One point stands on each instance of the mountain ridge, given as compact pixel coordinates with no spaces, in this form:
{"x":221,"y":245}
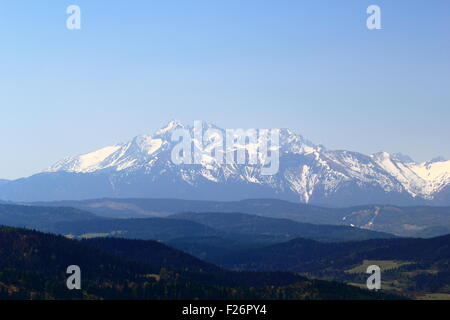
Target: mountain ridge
{"x":80,"y":223}
{"x":308,"y":173}
{"x":411,"y":221}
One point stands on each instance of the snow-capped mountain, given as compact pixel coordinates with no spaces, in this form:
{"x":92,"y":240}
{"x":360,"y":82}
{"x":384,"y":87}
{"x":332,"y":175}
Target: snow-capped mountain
{"x":307,"y":173}
{"x":419,"y":179}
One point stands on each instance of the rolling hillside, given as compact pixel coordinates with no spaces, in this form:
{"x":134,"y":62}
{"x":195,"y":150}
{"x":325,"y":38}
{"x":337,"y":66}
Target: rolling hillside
{"x":33,"y":266}
{"x":236,"y":226}
{"x":417,"y":221}
{"x":416,"y":267}
{"x":281,"y":228}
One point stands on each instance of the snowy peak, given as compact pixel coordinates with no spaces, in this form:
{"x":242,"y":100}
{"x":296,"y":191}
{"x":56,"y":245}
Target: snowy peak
{"x":136,"y":152}
{"x":435,"y":174}
{"x":170,"y":127}
{"x":310,"y":172}
{"x":147,"y":144}
{"x":402,"y":172}
{"x":294,"y":143}
{"x":419,"y":179}
{"x":142,"y":151}
{"x":88,"y":162}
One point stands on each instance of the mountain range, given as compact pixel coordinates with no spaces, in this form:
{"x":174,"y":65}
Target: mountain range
{"x":308,"y":173}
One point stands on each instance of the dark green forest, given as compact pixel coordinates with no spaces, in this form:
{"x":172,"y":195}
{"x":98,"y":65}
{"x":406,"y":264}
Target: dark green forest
{"x":33,"y":266}
{"x":210,"y":255}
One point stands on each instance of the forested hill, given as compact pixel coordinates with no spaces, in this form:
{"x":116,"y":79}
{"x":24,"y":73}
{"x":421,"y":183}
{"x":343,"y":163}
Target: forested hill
{"x":33,"y":266}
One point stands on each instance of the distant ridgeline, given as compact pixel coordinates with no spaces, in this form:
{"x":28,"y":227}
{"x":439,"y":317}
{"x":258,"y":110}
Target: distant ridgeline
{"x":418,"y":221}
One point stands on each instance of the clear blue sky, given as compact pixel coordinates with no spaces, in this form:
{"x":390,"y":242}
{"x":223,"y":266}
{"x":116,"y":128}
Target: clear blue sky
{"x":311,"y":66}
